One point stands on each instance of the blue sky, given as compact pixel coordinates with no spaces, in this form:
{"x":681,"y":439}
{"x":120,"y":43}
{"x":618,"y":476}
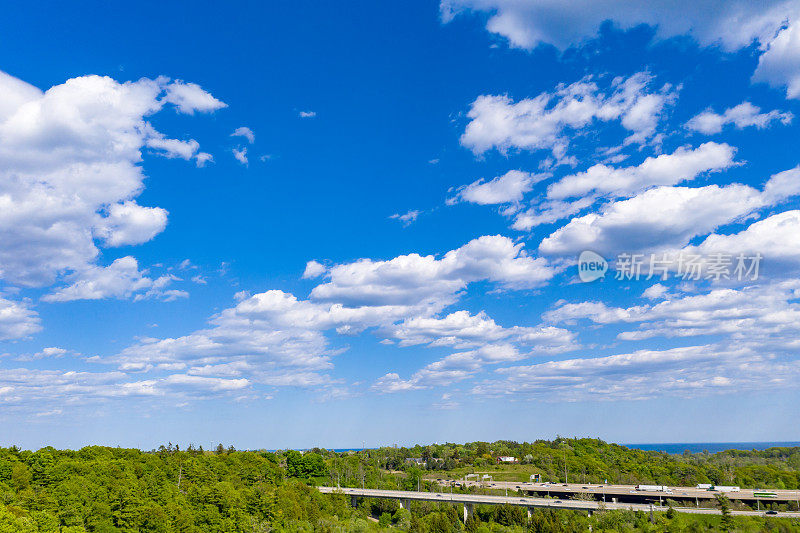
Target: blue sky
{"x":298,"y":225}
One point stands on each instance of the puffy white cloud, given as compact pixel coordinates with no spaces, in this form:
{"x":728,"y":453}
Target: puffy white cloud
{"x":129,"y":223}
{"x":273,"y":334}
{"x":667,"y":217}
{"x":763,"y":315}
{"x":307,"y":114}
{"x":667,"y":169}
{"x":120,"y":279}
{"x":508,"y":188}
{"x":733,"y":24}
{"x":686,"y":372}
{"x":245,"y":132}
{"x":462,"y":330}
{"x":70,"y":173}
{"x":775,"y":235}
{"x":427,"y":281}
{"x":190,"y":97}
{"x":546,"y":121}
{"x":453,"y":368}
{"x":23,"y":389}
{"x":314,"y":269}
{"x":17,"y":320}
{"x":741,"y":116}
{"x":778,"y":65}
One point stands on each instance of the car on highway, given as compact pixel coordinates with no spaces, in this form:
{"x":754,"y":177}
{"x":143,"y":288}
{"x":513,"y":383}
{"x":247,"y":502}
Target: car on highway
{"x":557,"y":501}
{"x":771,"y":512}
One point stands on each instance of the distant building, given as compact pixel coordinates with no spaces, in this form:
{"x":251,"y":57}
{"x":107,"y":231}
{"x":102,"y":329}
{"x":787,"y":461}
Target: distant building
{"x":419,"y":461}
{"x":507,"y":459}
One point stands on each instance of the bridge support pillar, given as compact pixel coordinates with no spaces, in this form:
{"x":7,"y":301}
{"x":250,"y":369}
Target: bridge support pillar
{"x":614,"y":500}
{"x":530,"y":514}
{"x":404,"y":504}
{"x":354,"y":501}
{"x":469,"y":509}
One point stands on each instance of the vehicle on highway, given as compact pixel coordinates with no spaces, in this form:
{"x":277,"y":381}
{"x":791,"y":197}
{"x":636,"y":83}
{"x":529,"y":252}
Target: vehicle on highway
{"x":584,"y":487}
{"x":771,"y":512}
{"x":764,"y":494}
{"x":558,"y":501}
{"x":651,"y":488}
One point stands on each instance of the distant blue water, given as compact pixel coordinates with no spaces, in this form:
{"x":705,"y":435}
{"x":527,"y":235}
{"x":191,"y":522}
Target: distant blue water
{"x":711,"y":447}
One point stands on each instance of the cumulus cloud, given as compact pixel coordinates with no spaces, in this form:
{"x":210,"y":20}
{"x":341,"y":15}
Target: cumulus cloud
{"x":508,"y":188}
{"x":425,"y":280}
{"x":120,"y":279}
{"x":546,"y":121}
{"x":70,"y":173}
{"x":764,"y":315}
{"x":732,"y":24}
{"x":462,"y":330}
{"x":683,"y":164}
{"x":742,"y":116}
{"x":666,"y":217}
{"x":307,"y":114}
{"x":453,"y":368}
{"x":686,"y":372}
{"x":314,"y":269}
{"x":778,"y":65}
{"x":17,"y":320}
{"x":190,"y":97}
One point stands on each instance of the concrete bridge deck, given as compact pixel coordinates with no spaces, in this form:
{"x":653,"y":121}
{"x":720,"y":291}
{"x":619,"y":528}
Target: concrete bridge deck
{"x":470,"y":500}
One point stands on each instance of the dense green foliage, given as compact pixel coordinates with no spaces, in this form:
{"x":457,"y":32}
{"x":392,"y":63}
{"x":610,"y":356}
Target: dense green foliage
{"x":593,"y":461}
{"x":100,"y":489}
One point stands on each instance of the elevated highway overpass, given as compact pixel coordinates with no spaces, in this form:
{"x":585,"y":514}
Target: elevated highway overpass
{"x":470,"y":500}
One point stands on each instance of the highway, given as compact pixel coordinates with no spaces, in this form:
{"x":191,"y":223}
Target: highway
{"x":611,"y":491}
{"x":550,"y":503}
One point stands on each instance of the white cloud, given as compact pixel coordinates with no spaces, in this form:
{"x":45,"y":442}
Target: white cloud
{"x":765,"y":316}
{"x":548,"y":120}
{"x":190,"y":97}
{"x":778,"y":65}
{"x":687,"y":372}
{"x":425,"y":280}
{"x":508,"y":188}
{"x":406,"y":218}
{"x":307,"y":114}
{"x":129,"y":223}
{"x":741,"y":116}
{"x":314,"y":269}
{"x":667,"y":217}
{"x":120,"y":279}
{"x":245,"y":132}
{"x":462,"y":330}
{"x":776,"y":237}
{"x":240,"y":155}
{"x":733,"y":24}
{"x":17,"y":320}
{"x":667,"y":169}
{"x":453,"y":368}
{"x":69,"y":169}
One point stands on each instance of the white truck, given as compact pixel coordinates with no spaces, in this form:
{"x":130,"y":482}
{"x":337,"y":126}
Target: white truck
{"x":652,"y":488}
{"x":704,"y":486}
{"x":725,"y":488}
